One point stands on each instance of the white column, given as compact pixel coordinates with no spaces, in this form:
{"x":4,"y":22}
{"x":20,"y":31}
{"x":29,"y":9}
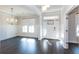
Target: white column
{"x":63,"y":34}
{"x":40,"y":27}
{"x":65,"y":45}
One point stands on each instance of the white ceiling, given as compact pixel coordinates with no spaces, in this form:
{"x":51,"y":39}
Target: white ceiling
{"x":18,"y":10}
{"x":27,"y":10}
{"x":52,"y":8}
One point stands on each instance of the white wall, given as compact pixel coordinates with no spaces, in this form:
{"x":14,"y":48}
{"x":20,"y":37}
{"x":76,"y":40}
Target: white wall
{"x":29,"y":21}
{"x":9,"y":31}
{"x":63,"y":34}
{"x":73,"y":21}
{"x":6,"y":30}
{"x":40,"y":33}
{"x":69,"y":36}
{"x":48,"y":30}
{"x":72,"y":29}
{"x":77,"y":26}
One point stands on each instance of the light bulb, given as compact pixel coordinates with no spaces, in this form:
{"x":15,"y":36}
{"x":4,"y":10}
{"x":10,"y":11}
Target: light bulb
{"x":16,"y":20}
{"x":12,"y":20}
{"x":44,"y":8}
{"x":7,"y":19}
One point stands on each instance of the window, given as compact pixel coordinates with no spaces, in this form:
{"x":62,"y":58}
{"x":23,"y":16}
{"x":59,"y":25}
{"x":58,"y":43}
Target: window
{"x":24,"y":29}
{"x":31,"y":29}
{"x":28,"y":25}
{"x":50,"y":17}
{"x":77,"y":30}
{"x":77,"y":24}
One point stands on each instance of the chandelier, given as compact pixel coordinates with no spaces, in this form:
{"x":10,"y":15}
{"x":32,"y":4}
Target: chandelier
{"x":12,"y":20}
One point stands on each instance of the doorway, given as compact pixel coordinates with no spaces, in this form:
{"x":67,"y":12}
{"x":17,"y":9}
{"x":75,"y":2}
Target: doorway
{"x":51,"y":28}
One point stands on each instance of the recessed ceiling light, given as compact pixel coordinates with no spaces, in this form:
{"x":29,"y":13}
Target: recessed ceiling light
{"x":44,"y":8}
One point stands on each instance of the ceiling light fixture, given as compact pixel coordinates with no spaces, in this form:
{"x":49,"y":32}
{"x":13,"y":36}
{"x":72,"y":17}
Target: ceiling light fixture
{"x":44,"y":8}
{"x":12,"y":20}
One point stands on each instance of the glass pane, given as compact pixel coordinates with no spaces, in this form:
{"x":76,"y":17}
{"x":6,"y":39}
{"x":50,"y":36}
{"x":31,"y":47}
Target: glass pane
{"x":24,"y":29}
{"x":31,"y":29}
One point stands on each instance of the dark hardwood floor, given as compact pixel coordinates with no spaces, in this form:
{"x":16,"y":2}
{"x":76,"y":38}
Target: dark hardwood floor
{"x":20,"y":45}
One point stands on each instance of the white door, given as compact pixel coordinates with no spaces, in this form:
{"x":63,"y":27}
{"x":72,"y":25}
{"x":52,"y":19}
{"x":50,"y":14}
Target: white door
{"x":51,"y":29}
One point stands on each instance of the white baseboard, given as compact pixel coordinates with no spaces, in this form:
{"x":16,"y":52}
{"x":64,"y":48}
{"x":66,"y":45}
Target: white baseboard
{"x":73,"y":42}
{"x":7,"y":38}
